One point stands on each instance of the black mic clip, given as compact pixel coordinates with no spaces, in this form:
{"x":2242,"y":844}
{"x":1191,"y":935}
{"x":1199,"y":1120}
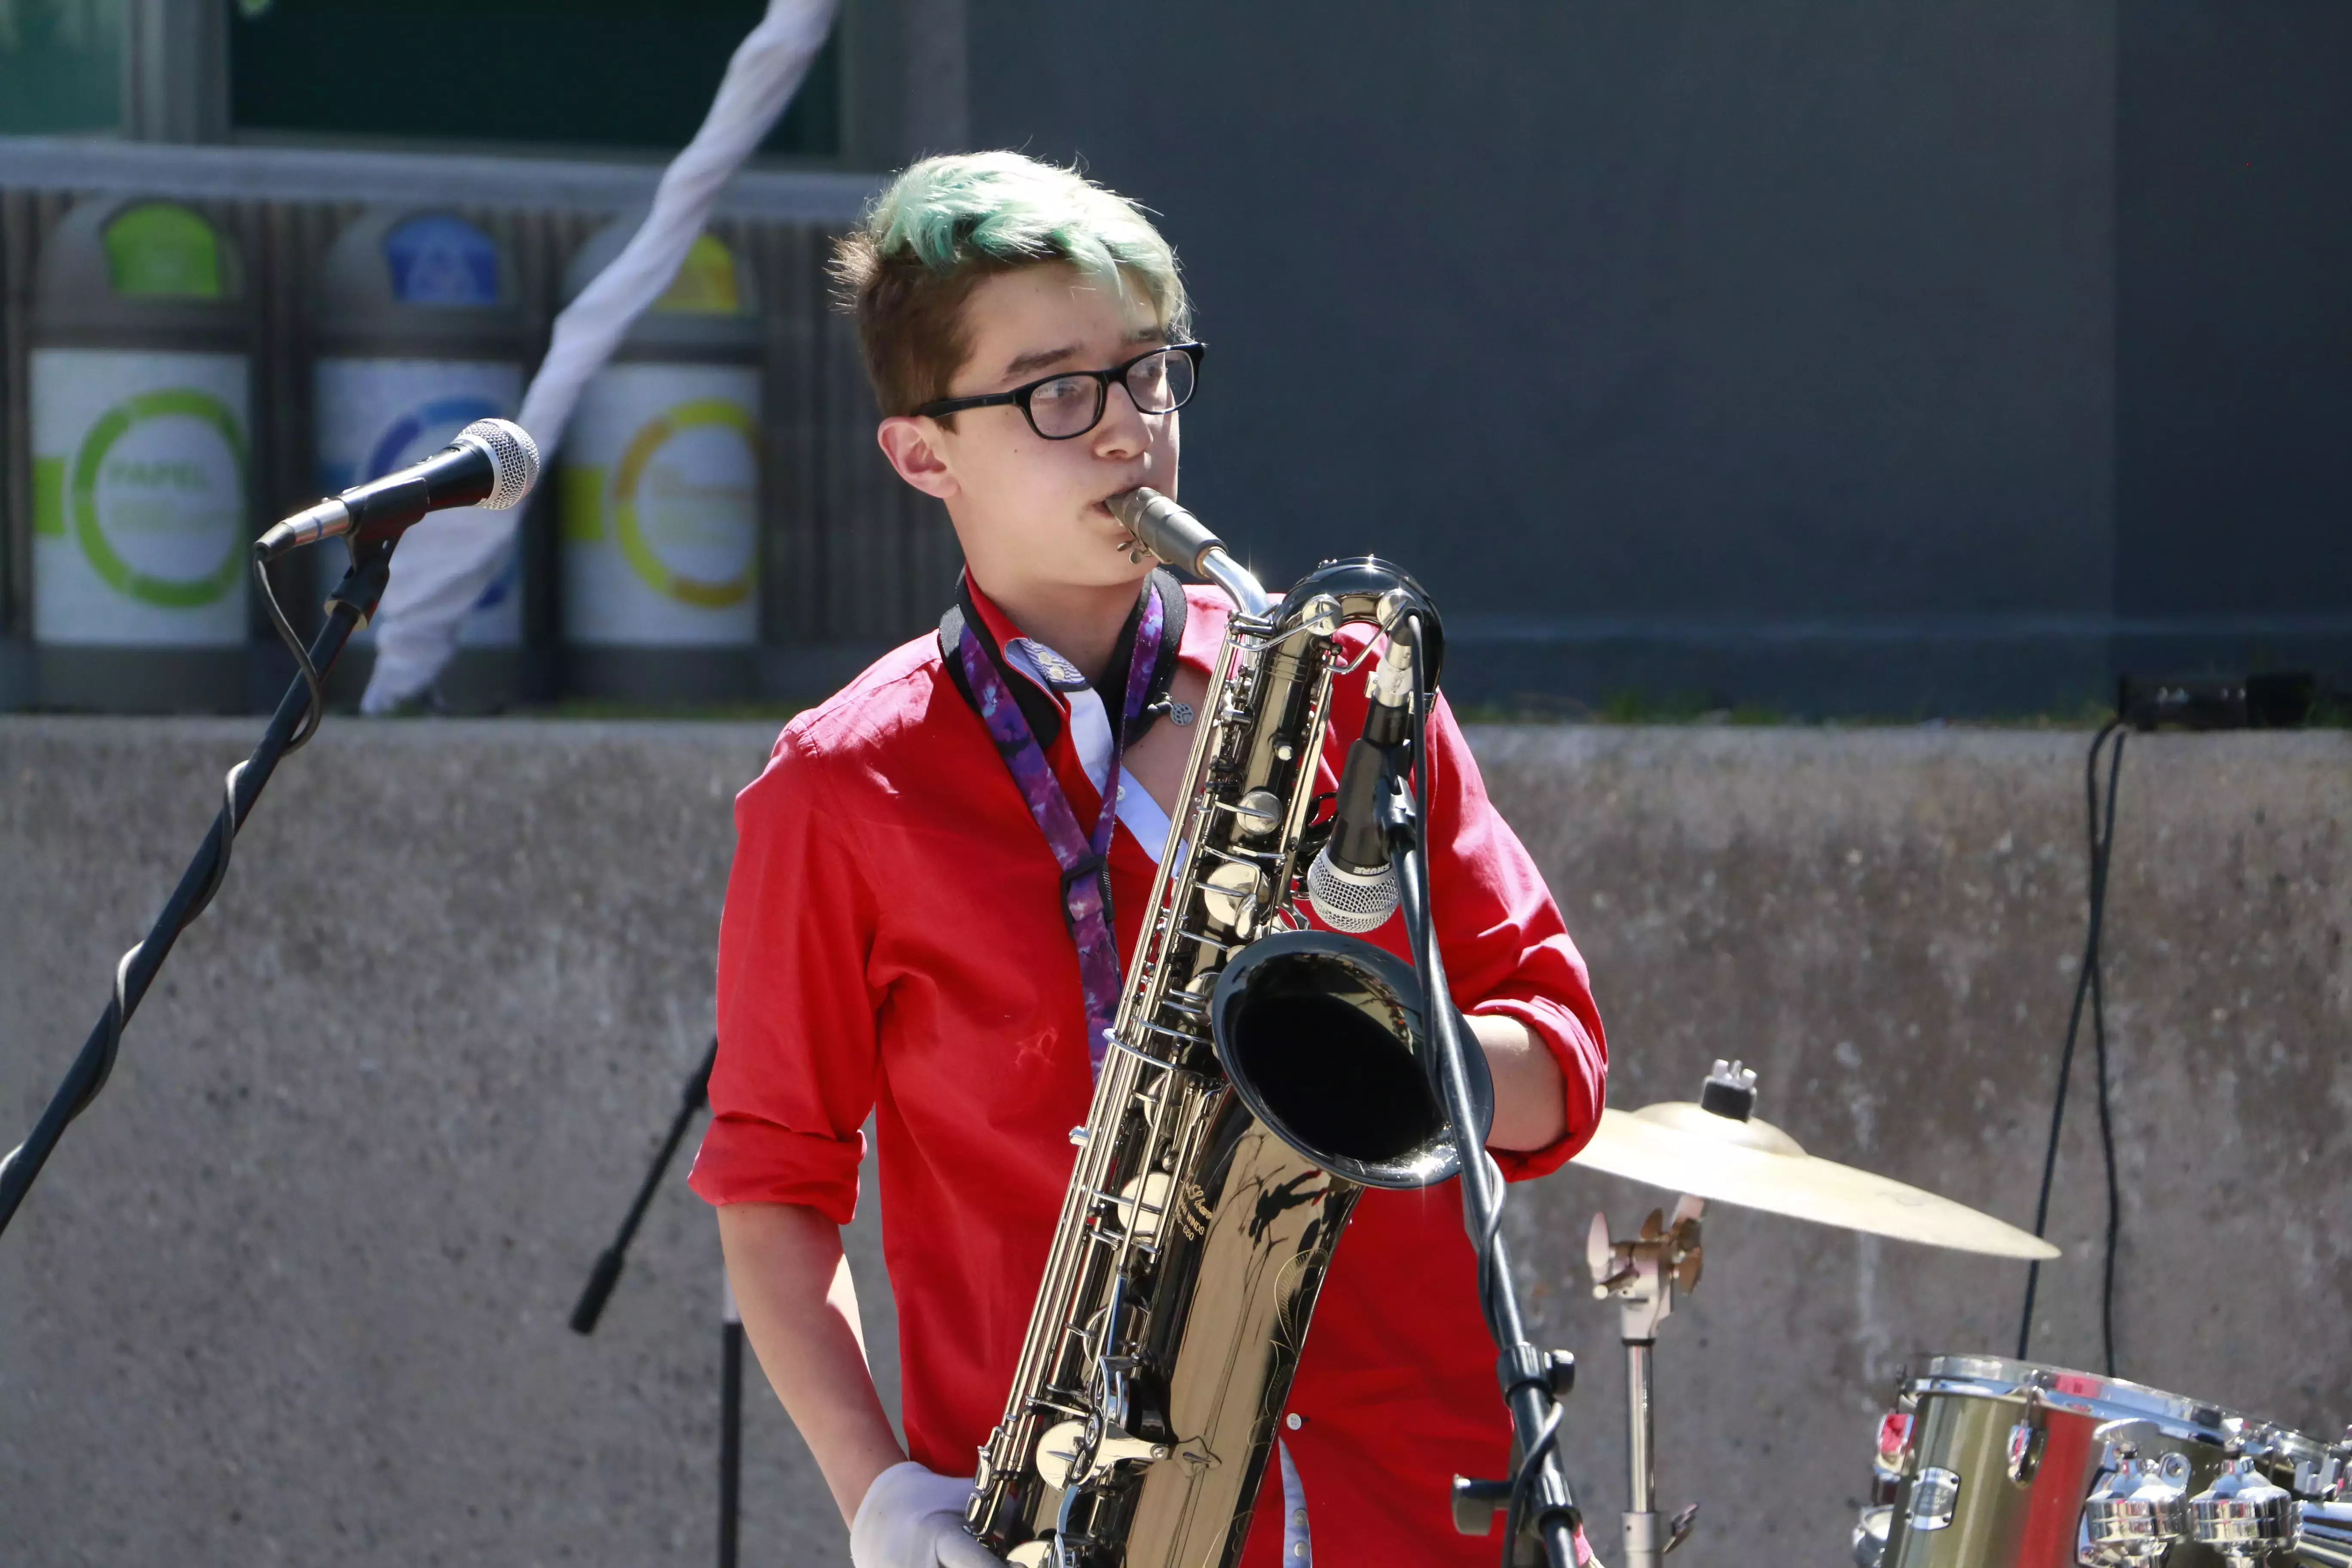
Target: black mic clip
{"x":1398,"y":814}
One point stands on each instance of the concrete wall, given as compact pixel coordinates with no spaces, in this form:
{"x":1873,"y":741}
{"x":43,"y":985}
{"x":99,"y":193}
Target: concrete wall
{"x":296,"y":1288}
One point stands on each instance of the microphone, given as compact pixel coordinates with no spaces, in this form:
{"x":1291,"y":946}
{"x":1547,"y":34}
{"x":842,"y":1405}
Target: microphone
{"x":1352,"y":883}
{"x":492,"y":464}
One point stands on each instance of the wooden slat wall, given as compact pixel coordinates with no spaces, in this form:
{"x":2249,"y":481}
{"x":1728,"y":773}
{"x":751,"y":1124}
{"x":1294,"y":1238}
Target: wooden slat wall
{"x":850,"y":557}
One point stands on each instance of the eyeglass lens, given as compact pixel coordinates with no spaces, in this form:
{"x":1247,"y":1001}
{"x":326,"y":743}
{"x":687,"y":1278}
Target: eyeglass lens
{"x":1071,"y":405}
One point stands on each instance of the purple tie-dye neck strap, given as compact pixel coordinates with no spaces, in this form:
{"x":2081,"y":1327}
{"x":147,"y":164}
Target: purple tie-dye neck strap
{"x":1084,"y":857}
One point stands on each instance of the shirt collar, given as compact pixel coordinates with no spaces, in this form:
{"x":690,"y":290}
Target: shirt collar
{"x":1045,"y":709}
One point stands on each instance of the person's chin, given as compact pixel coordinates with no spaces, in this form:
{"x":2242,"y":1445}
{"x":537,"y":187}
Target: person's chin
{"x":1099,"y":563}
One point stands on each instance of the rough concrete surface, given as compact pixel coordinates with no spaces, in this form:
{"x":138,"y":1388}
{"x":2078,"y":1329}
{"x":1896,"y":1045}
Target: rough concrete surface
{"x":295,"y":1290}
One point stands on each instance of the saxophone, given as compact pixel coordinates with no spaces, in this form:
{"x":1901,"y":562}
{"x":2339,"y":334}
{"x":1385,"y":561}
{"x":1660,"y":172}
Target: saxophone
{"x":1260,"y":1075}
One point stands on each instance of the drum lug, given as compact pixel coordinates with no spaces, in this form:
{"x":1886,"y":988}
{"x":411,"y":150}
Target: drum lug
{"x":2026,"y":1441}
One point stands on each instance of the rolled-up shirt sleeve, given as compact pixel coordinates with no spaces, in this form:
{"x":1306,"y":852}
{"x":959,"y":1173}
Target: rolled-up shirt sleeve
{"x":795,"y":1079}
{"x":1507,"y":949}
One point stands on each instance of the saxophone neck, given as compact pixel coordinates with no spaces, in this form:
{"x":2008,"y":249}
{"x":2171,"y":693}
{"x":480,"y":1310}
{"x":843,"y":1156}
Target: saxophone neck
{"x":1157,"y":524}
{"x":1249,"y":596}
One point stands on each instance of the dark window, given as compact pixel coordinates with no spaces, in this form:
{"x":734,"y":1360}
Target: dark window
{"x":609,"y":73}
{"x":60,"y":64}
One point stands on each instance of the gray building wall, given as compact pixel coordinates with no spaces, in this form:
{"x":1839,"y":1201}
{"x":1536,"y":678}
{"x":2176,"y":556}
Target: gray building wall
{"x":1761,"y":354}
{"x":2234,"y":310}
{"x":295,"y":1289}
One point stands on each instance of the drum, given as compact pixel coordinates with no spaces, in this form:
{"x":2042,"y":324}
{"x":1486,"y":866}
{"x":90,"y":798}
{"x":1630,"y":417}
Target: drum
{"x":1986,"y":1463}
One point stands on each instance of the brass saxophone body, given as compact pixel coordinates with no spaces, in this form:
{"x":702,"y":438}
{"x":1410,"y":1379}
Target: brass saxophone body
{"x":1260,"y":1075}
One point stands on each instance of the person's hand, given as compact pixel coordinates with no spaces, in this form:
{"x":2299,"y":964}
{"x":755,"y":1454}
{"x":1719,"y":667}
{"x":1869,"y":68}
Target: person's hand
{"x":913,"y":1518}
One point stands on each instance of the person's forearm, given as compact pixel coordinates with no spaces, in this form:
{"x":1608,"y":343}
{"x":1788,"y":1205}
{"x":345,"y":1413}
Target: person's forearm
{"x":1530,"y":1096}
{"x":800,"y":1310}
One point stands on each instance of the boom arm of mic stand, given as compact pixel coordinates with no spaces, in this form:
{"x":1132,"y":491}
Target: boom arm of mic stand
{"x":352,"y":602}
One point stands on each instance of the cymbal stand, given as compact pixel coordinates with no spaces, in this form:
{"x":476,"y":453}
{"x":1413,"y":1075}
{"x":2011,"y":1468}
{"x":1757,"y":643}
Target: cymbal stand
{"x":1644,"y":1274}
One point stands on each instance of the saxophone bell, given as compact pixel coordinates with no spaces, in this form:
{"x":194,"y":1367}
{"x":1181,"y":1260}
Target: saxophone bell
{"x":1325,"y":1038}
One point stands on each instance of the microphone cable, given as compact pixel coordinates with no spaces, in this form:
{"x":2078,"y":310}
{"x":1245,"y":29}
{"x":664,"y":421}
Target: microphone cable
{"x":2089,"y":984}
{"x":1482,"y":1186}
{"x":95,"y":1065}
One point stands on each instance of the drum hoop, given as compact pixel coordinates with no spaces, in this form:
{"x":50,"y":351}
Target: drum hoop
{"x":1991,"y":1377}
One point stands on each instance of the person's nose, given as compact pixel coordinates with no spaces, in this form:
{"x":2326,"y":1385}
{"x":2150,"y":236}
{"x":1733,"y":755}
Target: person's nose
{"x":1125,"y":432}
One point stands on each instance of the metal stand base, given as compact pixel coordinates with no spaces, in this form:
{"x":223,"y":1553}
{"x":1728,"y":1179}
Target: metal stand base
{"x":1642,"y":1275}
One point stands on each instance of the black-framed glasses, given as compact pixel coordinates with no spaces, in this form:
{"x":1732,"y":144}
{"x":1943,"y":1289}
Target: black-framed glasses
{"x":1070,"y":402}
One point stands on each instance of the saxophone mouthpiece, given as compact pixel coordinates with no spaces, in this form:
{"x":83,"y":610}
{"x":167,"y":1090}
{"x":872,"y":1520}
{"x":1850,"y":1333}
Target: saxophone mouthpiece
{"x":1165,"y":529}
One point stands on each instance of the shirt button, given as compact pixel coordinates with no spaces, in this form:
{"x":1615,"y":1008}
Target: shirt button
{"x":1299,"y":1516}
{"x":1294,"y":1421}
{"x":1298,"y":1549}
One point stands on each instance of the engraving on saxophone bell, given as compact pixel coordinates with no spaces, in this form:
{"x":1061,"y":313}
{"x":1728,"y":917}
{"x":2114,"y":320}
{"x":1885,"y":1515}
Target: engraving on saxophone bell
{"x":1193,"y":1212}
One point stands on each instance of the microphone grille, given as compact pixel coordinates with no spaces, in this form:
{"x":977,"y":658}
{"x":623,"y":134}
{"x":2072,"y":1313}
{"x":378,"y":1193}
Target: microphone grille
{"x":1352,"y":901}
{"x":514,"y":460}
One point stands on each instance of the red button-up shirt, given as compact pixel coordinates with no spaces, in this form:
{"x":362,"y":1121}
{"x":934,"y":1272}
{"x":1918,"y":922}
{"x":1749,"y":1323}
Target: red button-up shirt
{"x":894,"y":942}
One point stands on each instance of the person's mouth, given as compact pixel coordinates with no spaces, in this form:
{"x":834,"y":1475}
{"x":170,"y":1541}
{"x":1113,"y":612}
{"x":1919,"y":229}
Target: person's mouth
{"x":1102,"y":509}
{"x":1103,"y":506}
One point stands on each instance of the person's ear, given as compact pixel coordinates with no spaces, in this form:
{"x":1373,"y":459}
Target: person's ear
{"x":908,"y":443}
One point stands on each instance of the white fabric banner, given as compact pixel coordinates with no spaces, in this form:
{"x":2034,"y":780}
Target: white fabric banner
{"x":447,"y":560}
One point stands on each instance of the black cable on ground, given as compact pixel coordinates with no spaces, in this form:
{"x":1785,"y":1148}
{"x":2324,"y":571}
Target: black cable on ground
{"x":2100,"y":833}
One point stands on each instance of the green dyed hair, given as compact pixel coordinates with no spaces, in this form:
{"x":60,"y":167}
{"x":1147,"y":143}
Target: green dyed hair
{"x":947,"y":222}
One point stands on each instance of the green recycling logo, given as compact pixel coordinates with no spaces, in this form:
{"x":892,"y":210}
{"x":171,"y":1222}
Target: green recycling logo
{"x":684,"y":503}
{"x":157,"y":498}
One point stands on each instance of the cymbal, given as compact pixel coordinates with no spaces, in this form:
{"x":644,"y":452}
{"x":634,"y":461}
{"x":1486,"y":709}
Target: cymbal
{"x":1756,"y":1165}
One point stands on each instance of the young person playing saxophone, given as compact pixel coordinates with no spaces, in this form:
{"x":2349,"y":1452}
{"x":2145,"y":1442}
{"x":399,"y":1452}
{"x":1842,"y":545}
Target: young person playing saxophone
{"x":896,"y":939}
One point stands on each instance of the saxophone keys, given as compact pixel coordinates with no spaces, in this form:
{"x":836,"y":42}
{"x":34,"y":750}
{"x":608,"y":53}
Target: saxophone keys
{"x":1259,"y":814}
{"x":1143,"y":1206}
{"x":1059,"y":1449}
{"x":1229,"y":892}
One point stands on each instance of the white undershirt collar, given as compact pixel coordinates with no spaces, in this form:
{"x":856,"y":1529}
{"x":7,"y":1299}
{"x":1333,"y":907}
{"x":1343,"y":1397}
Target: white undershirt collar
{"x":1090,"y":735}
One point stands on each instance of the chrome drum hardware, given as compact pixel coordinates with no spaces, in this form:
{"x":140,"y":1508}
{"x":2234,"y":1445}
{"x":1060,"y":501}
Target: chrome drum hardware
{"x":1987,"y":1463}
{"x":2137,"y":1510}
{"x":2244,"y":1516}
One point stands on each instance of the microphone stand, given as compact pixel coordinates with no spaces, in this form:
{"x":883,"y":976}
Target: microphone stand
{"x":1543,"y":1518}
{"x":299,"y":714}
{"x":607,"y":1274}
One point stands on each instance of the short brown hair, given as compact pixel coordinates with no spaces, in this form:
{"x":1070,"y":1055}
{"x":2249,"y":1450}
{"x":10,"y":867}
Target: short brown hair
{"x":948,"y":223}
